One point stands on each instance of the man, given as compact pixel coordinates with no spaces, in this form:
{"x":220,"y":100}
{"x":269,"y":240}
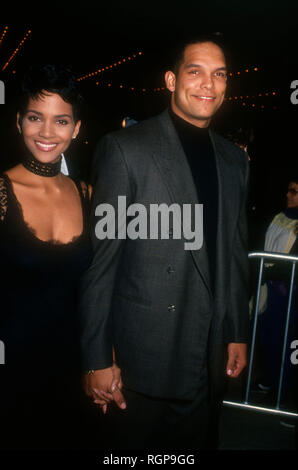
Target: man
{"x":156,"y":313}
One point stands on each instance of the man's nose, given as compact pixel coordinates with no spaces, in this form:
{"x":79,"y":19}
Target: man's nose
{"x":207,"y":81}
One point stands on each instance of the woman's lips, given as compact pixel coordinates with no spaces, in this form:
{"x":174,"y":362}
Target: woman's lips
{"x":44,"y":146}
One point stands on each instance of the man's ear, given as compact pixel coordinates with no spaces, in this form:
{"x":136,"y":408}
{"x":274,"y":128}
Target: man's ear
{"x":170,"y":80}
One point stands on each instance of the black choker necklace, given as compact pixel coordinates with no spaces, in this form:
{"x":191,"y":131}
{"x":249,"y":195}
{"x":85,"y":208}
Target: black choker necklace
{"x":41,"y":169}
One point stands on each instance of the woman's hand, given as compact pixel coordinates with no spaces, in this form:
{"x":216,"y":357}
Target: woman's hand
{"x":104,"y":386}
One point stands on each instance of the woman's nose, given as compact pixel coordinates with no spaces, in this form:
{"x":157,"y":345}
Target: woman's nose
{"x":46,"y":130}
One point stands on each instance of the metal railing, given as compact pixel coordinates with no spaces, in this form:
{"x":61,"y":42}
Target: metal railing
{"x":245,"y":404}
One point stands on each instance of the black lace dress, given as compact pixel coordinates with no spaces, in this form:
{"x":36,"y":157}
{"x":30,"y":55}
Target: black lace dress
{"x":41,"y":398}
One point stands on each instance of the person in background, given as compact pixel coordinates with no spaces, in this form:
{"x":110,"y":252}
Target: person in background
{"x":282,"y":237}
{"x":128,"y":121}
{"x":241,"y":137}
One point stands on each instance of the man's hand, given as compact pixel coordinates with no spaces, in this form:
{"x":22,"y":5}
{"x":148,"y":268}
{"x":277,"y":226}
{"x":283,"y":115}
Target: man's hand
{"x":237,"y":353}
{"x":104,"y":386}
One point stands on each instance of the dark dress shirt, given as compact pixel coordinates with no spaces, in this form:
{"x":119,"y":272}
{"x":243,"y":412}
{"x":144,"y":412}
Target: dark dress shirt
{"x":199,"y":151}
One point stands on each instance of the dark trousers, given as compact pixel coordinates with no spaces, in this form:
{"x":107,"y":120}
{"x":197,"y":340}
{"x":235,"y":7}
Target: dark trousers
{"x":159,"y":424}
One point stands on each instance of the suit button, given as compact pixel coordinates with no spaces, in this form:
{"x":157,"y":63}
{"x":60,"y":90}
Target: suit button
{"x":170,"y":270}
{"x":171,"y":308}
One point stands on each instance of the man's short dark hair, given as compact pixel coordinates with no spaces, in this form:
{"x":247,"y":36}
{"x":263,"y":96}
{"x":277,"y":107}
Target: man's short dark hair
{"x":177,"y":54}
{"x":293,"y":179}
{"x":40,"y":79}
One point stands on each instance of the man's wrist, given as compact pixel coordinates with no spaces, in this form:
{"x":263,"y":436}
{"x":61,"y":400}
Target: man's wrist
{"x":92,"y":371}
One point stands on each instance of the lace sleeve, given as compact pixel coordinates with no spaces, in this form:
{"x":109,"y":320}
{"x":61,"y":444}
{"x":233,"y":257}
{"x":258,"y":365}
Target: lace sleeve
{"x":3,"y":199}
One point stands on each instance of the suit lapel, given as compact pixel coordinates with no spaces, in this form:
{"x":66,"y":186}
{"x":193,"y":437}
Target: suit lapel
{"x":173,"y":165}
{"x":220,"y":168}
{"x":228,"y":180}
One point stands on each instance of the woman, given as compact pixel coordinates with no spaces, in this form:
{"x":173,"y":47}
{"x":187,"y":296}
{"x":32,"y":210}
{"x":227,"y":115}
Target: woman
{"x":44,"y":249}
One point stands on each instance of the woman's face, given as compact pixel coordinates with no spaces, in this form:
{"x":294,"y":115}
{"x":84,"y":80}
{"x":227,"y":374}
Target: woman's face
{"x":48,"y":127}
{"x":292,"y":195}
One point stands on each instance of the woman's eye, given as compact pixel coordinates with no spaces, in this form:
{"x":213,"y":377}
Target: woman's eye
{"x":33,"y":118}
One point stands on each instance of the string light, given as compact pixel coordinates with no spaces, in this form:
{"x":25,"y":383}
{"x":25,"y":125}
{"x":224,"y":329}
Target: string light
{"x":236,"y":98}
{"x":240,"y":100}
{"x":246,"y":70}
{"x":111,"y":66}
{"x":131,"y":88}
{"x":3,"y":34}
{"x":134,"y":56}
{"x":259,"y":95}
{"x":243,"y":100}
{"x":17,"y":49}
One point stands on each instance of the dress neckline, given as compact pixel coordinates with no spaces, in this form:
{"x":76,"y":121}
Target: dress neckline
{"x":31,"y":231}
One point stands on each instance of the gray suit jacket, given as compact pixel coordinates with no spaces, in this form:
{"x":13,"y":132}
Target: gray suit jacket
{"x":152,"y":299}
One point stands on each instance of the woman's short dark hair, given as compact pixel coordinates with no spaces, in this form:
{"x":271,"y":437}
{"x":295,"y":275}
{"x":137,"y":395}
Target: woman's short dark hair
{"x":38,"y":80}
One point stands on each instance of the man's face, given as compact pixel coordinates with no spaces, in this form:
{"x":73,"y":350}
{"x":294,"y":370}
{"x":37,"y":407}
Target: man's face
{"x":292,"y":195}
{"x":198,"y":89}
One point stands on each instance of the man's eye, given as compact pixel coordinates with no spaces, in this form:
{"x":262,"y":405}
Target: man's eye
{"x":221,"y":74}
{"x":194,"y":72}
{"x":62,"y":122}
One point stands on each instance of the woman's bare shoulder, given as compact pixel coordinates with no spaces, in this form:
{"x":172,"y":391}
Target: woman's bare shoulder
{"x":16,"y":174}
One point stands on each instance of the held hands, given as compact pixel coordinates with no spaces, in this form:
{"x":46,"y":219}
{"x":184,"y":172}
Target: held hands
{"x":104,"y":386}
{"x":237,"y":353}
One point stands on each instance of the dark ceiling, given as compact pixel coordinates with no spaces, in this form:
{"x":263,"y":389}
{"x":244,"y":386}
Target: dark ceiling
{"x":90,"y":35}
{"x":94,"y":31}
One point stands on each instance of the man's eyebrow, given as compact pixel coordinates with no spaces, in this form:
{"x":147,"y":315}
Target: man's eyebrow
{"x":224,"y":69}
{"x":188,"y":66}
